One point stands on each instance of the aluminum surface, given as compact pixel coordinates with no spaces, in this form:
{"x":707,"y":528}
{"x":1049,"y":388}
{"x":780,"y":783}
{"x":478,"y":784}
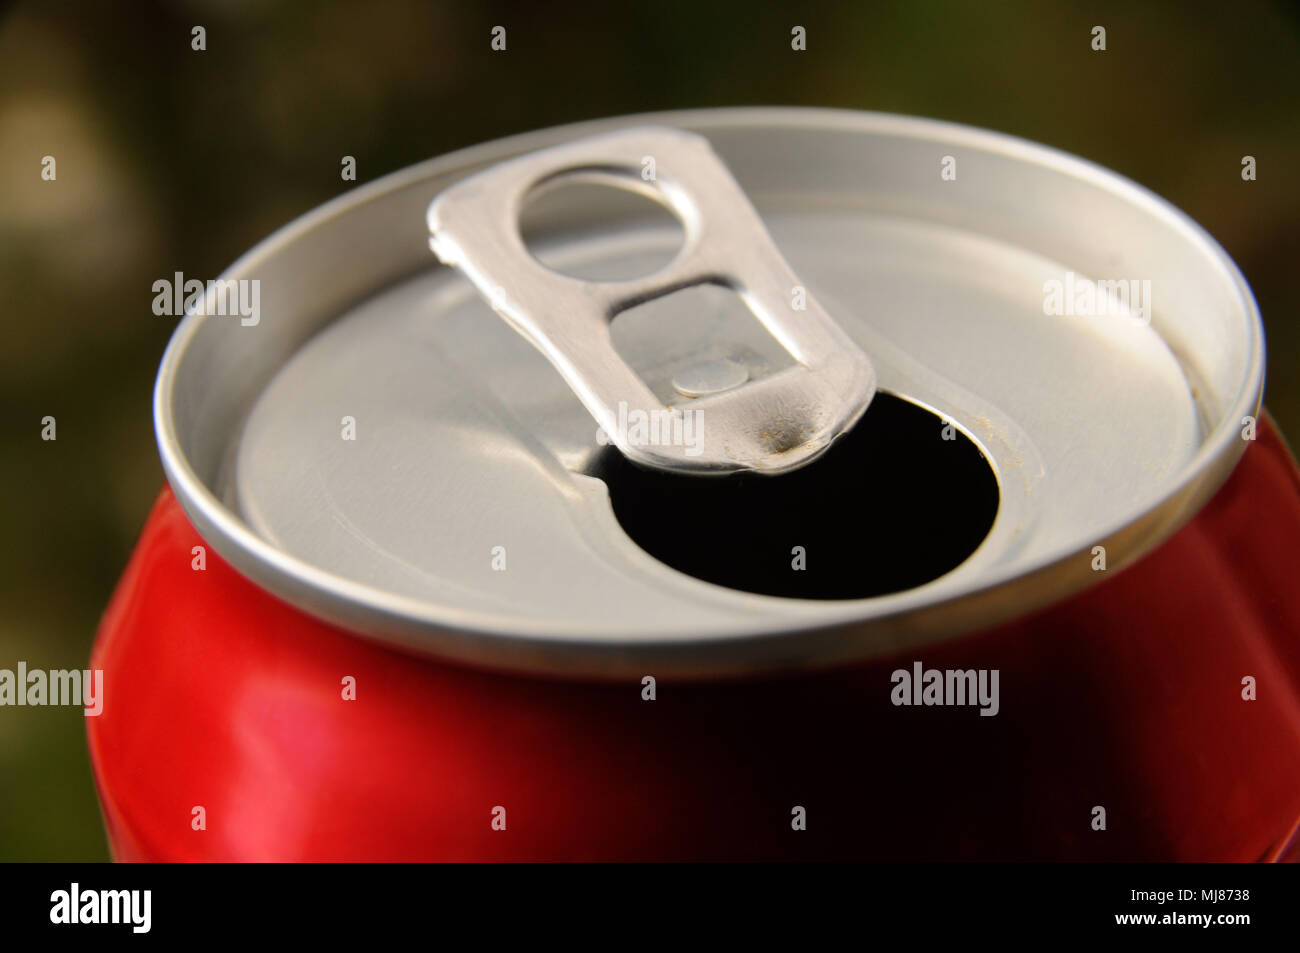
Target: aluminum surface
{"x":773,"y":425}
{"x":1101,"y":432}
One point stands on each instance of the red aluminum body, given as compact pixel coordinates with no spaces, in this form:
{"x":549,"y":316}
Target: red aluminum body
{"x":1126,"y":696}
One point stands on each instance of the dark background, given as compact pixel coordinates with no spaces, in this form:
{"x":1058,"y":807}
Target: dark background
{"x":175,"y":160}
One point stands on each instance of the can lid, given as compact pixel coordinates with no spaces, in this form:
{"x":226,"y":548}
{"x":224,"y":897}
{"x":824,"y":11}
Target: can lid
{"x":382,"y":451}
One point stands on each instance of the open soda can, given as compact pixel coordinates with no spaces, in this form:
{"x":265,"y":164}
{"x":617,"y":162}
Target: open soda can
{"x":729,"y":484}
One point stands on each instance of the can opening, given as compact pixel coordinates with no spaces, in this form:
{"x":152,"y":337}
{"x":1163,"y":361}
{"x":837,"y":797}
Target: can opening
{"x":900,"y":500}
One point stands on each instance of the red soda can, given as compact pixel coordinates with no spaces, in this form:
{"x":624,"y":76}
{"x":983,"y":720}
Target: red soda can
{"x":876,"y":488}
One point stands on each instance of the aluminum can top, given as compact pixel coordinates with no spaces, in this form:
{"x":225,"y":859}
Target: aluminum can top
{"x":381,"y":450}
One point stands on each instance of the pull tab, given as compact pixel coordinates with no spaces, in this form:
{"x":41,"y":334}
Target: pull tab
{"x":769,"y":425}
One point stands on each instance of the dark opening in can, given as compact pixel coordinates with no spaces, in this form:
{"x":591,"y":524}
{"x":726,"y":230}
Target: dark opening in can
{"x":891,"y":505}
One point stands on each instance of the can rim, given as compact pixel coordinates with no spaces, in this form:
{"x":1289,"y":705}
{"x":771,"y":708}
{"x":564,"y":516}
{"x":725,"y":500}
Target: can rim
{"x":359,"y":606}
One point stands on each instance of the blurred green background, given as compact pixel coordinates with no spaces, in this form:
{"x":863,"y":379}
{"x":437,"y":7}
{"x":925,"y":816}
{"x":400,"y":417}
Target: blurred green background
{"x":176,"y":160}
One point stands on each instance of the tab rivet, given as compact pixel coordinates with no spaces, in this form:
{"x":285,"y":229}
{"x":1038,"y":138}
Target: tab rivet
{"x":710,"y":377}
